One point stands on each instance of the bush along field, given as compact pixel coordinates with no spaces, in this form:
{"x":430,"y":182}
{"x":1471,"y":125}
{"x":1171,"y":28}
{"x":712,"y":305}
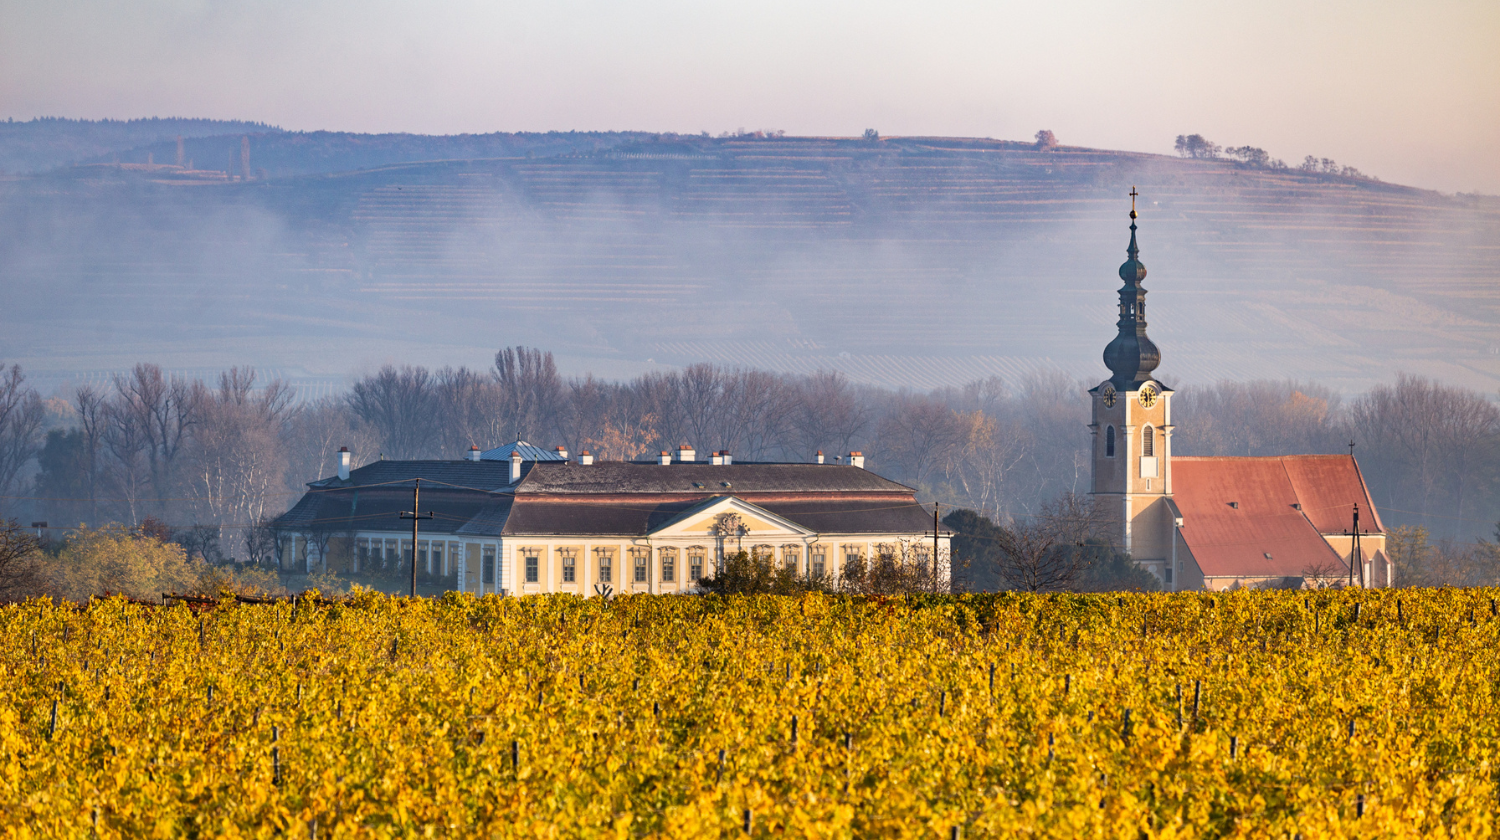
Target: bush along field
{"x":1257,"y":714}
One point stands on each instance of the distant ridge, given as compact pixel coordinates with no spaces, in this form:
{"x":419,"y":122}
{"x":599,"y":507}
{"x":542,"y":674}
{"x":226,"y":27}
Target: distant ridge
{"x":905,"y":261}
{"x":43,"y":143}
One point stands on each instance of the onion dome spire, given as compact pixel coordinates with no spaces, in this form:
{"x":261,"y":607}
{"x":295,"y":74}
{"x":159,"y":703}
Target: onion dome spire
{"x":1131,"y":356}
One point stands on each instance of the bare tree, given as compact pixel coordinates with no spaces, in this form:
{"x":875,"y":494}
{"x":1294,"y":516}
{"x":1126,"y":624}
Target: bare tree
{"x":161,"y":413}
{"x":127,"y":471}
{"x":531,"y":387}
{"x":1049,"y":551}
{"x":828,"y":413}
{"x":313,"y":435}
{"x":20,"y":425}
{"x":918,"y":435}
{"x":472,"y":408}
{"x":1439,"y":439}
{"x":400,"y":405}
{"x":260,"y":544}
{"x":20,"y":573}
{"x":92,"y":408}
{"x":1257,"y":418}
{"x":237,"y":460}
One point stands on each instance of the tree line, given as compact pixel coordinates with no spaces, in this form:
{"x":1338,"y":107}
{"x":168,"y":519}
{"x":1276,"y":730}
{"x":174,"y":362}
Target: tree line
{"x":214,"y":459}
{"x":1198,"y":147}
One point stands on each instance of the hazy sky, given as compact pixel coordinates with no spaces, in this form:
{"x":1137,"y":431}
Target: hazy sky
{"x":1408,"y":91}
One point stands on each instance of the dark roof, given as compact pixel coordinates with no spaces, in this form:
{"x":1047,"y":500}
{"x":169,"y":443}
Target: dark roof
{"x":590,"y":518}
{"x":733,"y":479}
{"x":379,"y":509}
{"x":476,"y":497}
{"x":484,"y":476}
{"x":834,"y":516}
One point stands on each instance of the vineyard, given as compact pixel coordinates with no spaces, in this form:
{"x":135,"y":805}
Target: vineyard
{"x":1257,"y":714}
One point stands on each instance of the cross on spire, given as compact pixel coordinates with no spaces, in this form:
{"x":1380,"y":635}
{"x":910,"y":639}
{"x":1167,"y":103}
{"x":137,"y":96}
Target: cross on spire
{"x":1133,"y":194}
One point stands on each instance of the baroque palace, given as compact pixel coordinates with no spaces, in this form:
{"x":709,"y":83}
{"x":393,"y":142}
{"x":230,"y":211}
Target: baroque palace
{"x":1219,"y":522}
{"x":519,"y":519}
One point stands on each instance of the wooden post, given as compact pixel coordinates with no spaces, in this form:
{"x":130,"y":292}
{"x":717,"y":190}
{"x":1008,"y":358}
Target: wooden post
{"x":415,"y":515}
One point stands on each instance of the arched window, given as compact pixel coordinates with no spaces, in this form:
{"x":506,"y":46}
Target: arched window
{"x":1109,"y":442}
{"x":1148,"y":442}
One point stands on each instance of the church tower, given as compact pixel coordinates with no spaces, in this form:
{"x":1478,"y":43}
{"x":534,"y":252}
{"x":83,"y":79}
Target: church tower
{"x":1132,"y":430}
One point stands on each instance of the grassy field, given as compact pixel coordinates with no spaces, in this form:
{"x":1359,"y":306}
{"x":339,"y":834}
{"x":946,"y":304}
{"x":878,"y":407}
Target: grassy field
{"x":1255,"y":714}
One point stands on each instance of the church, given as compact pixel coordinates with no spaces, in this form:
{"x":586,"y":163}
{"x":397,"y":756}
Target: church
{"x":1213,"y":523}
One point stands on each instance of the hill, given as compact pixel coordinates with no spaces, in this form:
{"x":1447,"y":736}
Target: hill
{"x":49,"y":142}
{"x":902,"y":261}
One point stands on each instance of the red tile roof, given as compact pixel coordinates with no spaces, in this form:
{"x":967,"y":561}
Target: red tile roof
{"x":1329,"y":486}
{"x":1241,"y":517}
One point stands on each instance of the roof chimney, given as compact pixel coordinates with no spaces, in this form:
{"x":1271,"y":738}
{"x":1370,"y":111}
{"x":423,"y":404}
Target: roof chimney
{"x":686,"y":454}
{"x":728,"y":459}
{"x":585,"y":458}
{"x":473,"y":452}
{"x":515,"y":466}
{"x":665,"y":458}
{"x":717,"y":459}
{"x":343,"y":463}
{"x":820,"y":456}
{"x":562,"y":452}
{"x":857,"y":459}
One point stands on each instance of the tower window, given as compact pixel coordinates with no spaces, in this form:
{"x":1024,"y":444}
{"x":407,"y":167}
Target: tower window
{"x":1109,"y":442}
{"x":1148,"y":442}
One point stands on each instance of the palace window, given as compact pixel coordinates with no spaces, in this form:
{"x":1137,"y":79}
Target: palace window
{"x":765,"y":553}
{"x":606,"y":564}
{"x":668,"y":565}
{"x":1148,"y":442}
{"x":853,"y":557}
{"x":569,"y":564}
{"x":818,"y":561}
{"x":487,"y":566}
{"x":436,"y":562}
{"x":533,"y":566}
{"x":422,"y":556}
{"x":640,"y":558}
{"x":1109,"y":442}
{"x":696,"y":555}
{"x":791,"y":555}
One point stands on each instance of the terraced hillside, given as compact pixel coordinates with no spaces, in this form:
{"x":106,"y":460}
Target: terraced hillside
{"x":909,"y":261}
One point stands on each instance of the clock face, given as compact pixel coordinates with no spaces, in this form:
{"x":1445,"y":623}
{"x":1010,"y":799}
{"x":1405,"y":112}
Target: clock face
{"x":1109,"y":396}
{"x":1147,"y":396}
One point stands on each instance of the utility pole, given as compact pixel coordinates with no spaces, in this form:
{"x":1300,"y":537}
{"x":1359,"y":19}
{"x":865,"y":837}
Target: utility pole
{"x":1354,"y":553}
{"x":934,"y":546}
{"x":415,"y":515}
